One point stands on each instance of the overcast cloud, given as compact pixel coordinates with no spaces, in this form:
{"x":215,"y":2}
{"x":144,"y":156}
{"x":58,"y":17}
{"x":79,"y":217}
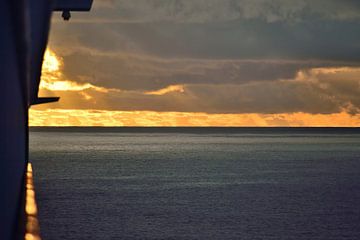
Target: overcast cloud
{"x":228,"y":56}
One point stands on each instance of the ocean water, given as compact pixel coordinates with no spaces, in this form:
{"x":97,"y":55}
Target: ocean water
{"x":197,"y":183}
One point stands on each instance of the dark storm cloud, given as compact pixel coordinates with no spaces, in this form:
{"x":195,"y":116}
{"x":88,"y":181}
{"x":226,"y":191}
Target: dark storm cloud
{"x":314,"y":91}
{"x":330,"y":40}
{"x":136,"y":72}
{"x":232,"y":56}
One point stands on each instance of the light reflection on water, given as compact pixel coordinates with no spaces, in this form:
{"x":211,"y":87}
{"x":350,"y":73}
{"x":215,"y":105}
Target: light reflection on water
{"x":32,"y":231}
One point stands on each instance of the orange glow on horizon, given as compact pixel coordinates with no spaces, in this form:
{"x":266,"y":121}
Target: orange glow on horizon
{"x":61,"y":117}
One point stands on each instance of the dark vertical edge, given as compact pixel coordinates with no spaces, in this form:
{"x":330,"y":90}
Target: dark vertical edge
{"x":20,"y":224}
{"x":20,"y":15}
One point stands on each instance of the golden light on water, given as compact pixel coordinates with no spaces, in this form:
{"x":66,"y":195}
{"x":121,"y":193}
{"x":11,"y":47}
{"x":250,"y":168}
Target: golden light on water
{"x":31,"y":237}
{"x":32,"y":223}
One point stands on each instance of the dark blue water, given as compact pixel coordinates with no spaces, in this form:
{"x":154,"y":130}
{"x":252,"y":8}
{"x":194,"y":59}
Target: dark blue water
{"x":197,"y":183}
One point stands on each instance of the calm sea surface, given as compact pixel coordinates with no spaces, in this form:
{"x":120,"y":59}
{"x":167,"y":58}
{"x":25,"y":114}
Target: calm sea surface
{"x":197,"y":183}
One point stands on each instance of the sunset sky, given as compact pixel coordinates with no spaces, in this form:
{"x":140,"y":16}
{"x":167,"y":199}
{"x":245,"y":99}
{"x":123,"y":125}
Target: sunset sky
{"x":204,"y":63}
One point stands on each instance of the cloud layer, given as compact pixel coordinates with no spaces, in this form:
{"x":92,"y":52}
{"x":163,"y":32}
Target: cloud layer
{"x":202,"y":11}
{"x":210,"y":56}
